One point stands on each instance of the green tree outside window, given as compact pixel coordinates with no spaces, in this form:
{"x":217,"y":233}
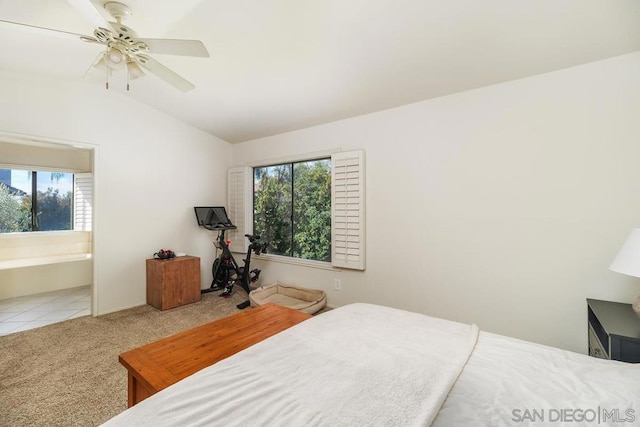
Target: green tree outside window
{"x":54,"y":208}
{"x":292,"y":208}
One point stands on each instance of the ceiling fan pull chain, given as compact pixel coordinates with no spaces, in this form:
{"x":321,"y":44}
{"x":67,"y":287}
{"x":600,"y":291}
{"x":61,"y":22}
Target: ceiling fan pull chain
{"x":107,"y":82}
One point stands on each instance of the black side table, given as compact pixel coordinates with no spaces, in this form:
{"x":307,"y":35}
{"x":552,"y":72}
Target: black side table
{"x":614,"y":331}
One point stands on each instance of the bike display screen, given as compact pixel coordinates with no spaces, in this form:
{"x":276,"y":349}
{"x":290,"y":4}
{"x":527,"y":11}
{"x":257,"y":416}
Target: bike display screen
{"x":212,"y":216}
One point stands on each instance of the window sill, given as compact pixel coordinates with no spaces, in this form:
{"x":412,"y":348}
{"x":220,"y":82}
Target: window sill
{"x":40,"y":234}
{"x":322,"y":265}
{"x":32,"y":262}
{"x":18,"y":250}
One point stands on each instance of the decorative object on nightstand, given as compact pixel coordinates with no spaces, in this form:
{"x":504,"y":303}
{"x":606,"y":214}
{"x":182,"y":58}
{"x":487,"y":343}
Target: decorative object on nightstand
{"x":614,"y":331}
{"x":628,"y":261}
{"x":164,"y":254}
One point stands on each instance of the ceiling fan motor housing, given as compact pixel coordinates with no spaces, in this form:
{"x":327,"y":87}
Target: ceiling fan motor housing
{"x":122,"y":43}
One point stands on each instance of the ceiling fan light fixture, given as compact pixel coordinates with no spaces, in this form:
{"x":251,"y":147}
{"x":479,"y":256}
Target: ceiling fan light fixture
{"x":134,"y":70}
{"x":114,"y":59}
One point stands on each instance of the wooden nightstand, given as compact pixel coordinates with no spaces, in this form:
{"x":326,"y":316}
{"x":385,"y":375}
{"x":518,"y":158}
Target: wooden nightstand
{"x":173,"y":282}
{"x":614,"y":331}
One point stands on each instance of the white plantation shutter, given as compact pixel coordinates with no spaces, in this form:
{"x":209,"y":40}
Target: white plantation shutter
{"x":347,"y":210}
{"x":82,"y":201}
{"x":240,"y":206}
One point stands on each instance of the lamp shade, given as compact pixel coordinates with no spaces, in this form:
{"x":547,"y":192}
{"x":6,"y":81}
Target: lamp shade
{"x":114,"y":59}
{"x":628,"y":259}
{"x":134,"y":70}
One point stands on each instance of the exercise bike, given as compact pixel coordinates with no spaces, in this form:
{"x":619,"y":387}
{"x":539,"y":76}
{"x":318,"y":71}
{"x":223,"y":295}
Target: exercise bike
{"x":225,"y":270}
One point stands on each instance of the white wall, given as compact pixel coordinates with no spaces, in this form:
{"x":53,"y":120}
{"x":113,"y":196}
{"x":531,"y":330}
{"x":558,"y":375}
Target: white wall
{"x":501,"y":206}
{"x":150,"y":171}
{"x":38,"y":157}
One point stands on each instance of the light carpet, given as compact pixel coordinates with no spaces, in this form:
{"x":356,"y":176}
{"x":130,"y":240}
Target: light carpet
{"x":68,"y":374}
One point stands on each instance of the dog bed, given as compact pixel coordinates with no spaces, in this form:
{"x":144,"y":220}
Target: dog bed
{"x":308,"y":301}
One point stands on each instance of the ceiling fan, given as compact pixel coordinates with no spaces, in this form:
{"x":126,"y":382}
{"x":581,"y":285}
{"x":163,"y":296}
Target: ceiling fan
{"x":125,"y":50}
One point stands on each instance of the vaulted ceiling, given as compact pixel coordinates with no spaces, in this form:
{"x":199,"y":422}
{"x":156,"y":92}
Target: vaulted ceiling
{"x":281,"y":65}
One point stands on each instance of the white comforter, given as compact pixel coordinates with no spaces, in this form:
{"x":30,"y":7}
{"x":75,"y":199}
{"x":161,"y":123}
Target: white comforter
{"x":359,"y":365}
{"x":365,"y":365}
{"x":510,"y":382}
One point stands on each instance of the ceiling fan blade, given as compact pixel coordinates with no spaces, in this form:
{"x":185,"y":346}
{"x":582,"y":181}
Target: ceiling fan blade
{"x":164,"y":73}
{"x":176,"y":47}
{"x":91,"y":14}
{"x":49,"y":31}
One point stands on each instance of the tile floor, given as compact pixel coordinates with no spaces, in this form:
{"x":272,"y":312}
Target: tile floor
{"x":28,"y":312}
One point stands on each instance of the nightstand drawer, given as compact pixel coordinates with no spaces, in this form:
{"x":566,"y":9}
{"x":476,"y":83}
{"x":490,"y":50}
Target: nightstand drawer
{"x":625,"y":349}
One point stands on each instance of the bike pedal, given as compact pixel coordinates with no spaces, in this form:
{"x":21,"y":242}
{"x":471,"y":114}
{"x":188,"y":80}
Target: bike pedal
{"x":225,"y":294}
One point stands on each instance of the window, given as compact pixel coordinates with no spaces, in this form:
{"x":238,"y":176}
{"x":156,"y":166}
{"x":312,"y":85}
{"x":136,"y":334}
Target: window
{"x":311,"y":209}
{"x":35,"y":200}
{"x":292,"y":208}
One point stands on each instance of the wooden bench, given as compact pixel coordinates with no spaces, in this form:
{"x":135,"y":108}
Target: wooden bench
{"x":160,"y":364}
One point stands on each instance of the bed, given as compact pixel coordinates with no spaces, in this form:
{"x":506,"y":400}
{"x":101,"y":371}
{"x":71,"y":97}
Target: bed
{"x":368,"y":365}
